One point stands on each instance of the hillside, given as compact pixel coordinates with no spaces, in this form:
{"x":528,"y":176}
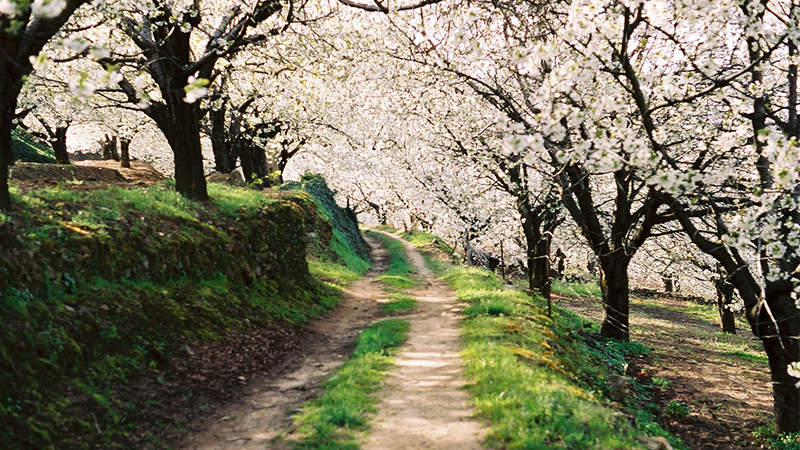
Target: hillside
{"x":126,"y":309}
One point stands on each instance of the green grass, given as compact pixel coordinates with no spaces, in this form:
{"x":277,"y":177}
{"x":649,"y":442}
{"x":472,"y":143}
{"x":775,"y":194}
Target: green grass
{"x":748,"y":356}
{"x":332,"y":421}
{"x":576,"y":289}
{"x":234,"y":200}
{"x":399,"y":303}
{"x":28,"y":149}
{"x":398,"y":274}
{"x":427,"y":240}
{"x":539,"y":384}
{"x":336,"y":275}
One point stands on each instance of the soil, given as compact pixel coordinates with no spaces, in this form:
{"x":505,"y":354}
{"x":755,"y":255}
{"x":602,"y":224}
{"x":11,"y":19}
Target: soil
{"x":729,"y":396}
{"x":422,"y":404}
{"x":93,"y":172}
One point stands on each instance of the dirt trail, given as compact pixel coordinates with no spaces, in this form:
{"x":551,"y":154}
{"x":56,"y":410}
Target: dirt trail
{"x":729,"y":395}
{"x":423,"y":404}
{"x":253,"y":422}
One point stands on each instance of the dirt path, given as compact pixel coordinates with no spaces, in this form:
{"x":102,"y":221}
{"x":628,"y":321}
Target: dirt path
{"x":253,"y":422}
{"x":423,"y":404}
{"x":729,"y":395}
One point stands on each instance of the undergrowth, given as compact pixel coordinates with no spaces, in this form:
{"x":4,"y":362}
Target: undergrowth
{"x":332,"y":421}
{"x":766,"y":437}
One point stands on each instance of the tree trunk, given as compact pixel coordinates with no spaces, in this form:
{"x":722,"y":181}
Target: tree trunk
{"x":260,"y":166}
{"x":219,"y":142}
{"x":9,"y":90}
{"x":183,"y":133}
{"x":59,"y":143}
{"x":246,"y":156}
{"x":614,"y":285}
{"x":724,"y":303}
{"x":540,"y":271}
{"x":124,"y":148}
{"x":781,"y":346}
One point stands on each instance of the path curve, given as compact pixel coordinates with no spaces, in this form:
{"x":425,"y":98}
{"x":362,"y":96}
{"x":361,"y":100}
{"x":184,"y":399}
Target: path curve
{"x":254,"y":422}
{"x":424,"y":404}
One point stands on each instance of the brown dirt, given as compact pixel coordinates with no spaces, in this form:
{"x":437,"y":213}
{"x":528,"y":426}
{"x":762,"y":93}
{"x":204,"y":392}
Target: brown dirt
{"x":729,"y":397}
{"x":93,"y":172}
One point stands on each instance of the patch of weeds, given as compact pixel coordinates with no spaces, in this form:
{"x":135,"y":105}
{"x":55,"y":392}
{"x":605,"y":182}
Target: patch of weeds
{"x":747,"y":356}
{"x":767,"y":438}
{"x":661,"y":383}
{"x":541,"y":381}
{"x":576,"y":288}
{"x":398,"y":303}
{"x":677,"y":409}
{"x":331,"y":421}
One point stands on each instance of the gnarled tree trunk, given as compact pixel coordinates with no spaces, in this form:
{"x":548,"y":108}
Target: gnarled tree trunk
{"x":614,"y":286}
{"x":181,"y":125}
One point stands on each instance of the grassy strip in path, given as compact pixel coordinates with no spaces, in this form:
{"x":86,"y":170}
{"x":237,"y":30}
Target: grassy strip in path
{"x":541,"y":384}
{"x":331,"y":422}
{"x":399,"y":303}
{"x":399,"y":270}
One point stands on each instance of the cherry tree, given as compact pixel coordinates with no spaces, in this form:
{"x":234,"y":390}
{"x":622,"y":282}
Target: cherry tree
{"x":663,"y":92}
{"x":163,"y":55}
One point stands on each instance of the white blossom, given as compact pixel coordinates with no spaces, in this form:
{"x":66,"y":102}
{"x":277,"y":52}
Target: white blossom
{"x":8,"y":7}
{"x":196,"y":89}
{"x":48,"y":8}
{"x":83,"y":89}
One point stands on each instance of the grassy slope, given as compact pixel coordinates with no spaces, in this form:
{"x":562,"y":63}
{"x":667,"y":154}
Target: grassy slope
{"x":70,"y":358}
{"x":542,"y":382}
{"x":347,"y":245}
{"x":27,"y":149}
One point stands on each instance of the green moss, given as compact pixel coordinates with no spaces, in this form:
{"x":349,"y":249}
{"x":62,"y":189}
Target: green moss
{"x":347,"y":246}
